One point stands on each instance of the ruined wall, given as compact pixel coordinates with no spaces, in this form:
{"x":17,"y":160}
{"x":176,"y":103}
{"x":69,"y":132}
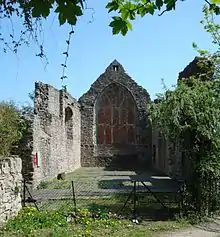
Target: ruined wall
{"x":160,"y":152}
{"x":25,"y":147}
{"x":200,"y":67}
{"x":56,"y":132}
{"x":10,"y":188}
{"x":94,"y":153}
{"x":170,"y":158}
{"x":166,"y":156}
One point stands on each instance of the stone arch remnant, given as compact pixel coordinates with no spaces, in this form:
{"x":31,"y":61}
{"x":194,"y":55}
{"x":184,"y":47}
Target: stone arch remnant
{"x":115,"y":116}
{"x":114,"y":121}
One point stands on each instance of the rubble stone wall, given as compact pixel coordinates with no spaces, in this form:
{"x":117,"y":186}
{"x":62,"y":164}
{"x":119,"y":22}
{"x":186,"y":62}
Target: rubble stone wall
{"x":56,"y":132}
{"x":10,"y":187}
{"x":139,"y":151}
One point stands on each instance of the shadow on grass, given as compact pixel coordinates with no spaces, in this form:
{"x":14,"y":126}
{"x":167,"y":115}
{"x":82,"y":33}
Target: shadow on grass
{"x":148,"y":209}
{"x":155,"y":183}
{"x":121,"y":163}
{"x":146,"y":213}
{"x":118,"y":184}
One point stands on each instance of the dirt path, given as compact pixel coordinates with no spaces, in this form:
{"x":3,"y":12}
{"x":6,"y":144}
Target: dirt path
{"x":211,"y":229}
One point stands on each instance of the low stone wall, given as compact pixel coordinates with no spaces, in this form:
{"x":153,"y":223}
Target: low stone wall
{"x":10,"y":187}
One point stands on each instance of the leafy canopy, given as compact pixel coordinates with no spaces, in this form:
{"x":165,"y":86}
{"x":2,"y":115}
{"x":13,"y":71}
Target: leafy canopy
{"x":129,"y":10}
{"x":67,"y":11}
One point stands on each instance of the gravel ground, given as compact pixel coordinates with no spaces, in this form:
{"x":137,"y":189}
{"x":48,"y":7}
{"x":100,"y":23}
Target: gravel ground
{"x":211,"y":229}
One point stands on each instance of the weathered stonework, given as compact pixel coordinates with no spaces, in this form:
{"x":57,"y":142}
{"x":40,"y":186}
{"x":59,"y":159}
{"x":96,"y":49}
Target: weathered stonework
{"x":10,"y":188}
{"x":169,"y":158}
{"x":200,"y":68}
{"x":25,"y":147}
{"x":107,"y":127}
{"x":115,"y":148}
{"x":56,"y":132}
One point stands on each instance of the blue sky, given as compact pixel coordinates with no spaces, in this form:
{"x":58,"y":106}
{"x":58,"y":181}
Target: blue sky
{"x":158,"y":47}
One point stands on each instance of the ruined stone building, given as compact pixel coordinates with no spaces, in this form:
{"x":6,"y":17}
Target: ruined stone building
{"x":108,"y":127}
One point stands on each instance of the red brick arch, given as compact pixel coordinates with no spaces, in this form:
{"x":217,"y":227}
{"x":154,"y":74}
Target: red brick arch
{"x":116,"y":116}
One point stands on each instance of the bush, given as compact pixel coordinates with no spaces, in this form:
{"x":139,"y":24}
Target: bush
{"x":11,"y":127}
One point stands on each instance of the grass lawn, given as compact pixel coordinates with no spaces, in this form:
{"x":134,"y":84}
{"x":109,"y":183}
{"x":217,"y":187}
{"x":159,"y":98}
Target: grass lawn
{"x":57,"y":219}
{"x":94,"y":216}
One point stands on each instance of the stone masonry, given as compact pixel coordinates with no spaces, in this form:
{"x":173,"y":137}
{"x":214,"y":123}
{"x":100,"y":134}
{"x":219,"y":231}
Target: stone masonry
{"x":200,"y":68}
{"x":56,"y":132}
{"x":107,"y":127}
{"x":115,"y":127}
{"x":10,"y":188}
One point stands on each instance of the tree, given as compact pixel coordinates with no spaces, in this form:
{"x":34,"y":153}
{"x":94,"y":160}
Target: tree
{"x":189,"y":116}
{"x":33,"y":12}
{"x":129,"y":10}
{"x":12,"y":126}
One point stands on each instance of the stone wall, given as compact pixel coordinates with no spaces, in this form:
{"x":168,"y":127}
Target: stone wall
{"x":166,"y":156}
{"x":10,"y":188}
{"x":94,"y":154}
{"x":200,"y":67}
{"x":25,"y":147}
{"x":56,"y":132}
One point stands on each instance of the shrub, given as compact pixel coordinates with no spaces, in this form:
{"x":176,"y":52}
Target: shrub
{"x":11,"y":127}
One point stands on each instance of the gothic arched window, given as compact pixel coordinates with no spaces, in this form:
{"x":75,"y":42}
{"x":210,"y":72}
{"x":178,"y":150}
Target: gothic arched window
{"x":116,"y":116}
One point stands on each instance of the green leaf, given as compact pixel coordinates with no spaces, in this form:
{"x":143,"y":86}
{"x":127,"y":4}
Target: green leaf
{"x":150,"y":8}
{"x":112,"y":6}
{"x":62,"y":18}
{"x":68,"y":11}
{"x":40,"y":8}
{"x":215,"y":2}
{"x":170,"y":4}
{"x":120,"y":25}
{"x":72,"y":20}
{"x":203,"y":52}
{"x":124,"y":13}
{"x":194,"y":45}
{"x":159,"y":4}
{"x":144,"y":9}
{"x":129,"y":25}
{"x":46,"y":12}
{"x":217,"y":10}
{"x":36,"y":12}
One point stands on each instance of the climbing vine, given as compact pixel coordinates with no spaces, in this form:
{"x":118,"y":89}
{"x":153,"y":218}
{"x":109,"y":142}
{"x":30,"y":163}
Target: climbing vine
{"x":66,"y":53}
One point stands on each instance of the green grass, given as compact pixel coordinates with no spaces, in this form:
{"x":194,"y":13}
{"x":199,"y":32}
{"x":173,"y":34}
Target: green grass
{"x":93,"y":218}
{"x":82,"y":177}
{"x":51,"y":221}
{"x":55,"y":184}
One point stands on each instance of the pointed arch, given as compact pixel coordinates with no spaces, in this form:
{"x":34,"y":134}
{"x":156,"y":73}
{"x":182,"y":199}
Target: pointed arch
{"x":116,"y":116}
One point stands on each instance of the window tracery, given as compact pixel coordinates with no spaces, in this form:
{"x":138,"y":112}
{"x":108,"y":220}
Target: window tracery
{"x":116,"y":116}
